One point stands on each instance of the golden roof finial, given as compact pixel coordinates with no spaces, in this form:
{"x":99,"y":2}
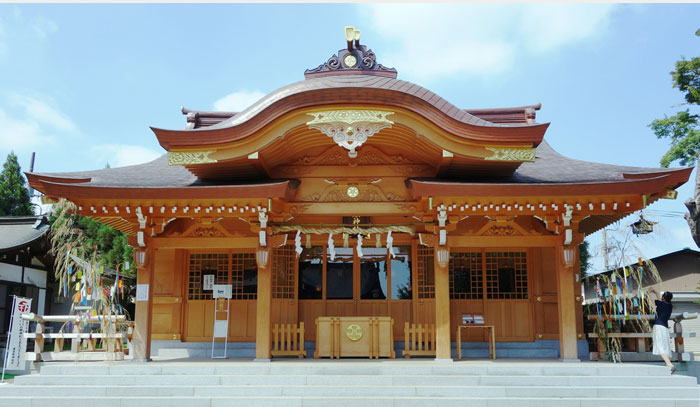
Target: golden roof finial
{"x":349,"y":36}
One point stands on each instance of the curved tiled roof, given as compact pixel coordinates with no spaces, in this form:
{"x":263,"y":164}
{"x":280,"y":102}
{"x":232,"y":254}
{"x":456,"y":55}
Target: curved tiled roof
{"x":549,"y":167}
{"x":352,"y":89}
{"x":355,"y":81}
{"x":20,"y":231}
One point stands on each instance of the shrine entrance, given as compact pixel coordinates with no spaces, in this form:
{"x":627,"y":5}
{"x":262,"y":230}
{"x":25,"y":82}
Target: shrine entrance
{"x":369,"y":282}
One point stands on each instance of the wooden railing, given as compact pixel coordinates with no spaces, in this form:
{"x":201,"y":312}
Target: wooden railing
{"x":288,"y":340}
{"x":112,"y":348}
{"x":419,"y":340}
{"x":643,"y":339}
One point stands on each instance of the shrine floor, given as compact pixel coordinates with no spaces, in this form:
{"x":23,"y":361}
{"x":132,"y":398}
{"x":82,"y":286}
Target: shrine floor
{"x":197,"y":382}
{"x":542,"y":349}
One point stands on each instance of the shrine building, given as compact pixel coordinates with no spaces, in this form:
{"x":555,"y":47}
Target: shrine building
{"x":355,"y":195}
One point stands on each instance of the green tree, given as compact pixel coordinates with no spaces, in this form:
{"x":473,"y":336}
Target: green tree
{"x":584,"y":256}
{"x":89,"y":238}
{"x":683,"y":130}
{"x":14,"y":196}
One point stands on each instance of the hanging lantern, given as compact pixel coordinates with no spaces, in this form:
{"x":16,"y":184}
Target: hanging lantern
{"x":262,"y":256}
{"x":140,"y":258}
{"x":569,"y":256}
{"x":443,"y":256}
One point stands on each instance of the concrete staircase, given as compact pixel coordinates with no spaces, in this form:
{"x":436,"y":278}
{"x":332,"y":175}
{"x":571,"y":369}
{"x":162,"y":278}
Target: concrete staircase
{"x":351,"y":382}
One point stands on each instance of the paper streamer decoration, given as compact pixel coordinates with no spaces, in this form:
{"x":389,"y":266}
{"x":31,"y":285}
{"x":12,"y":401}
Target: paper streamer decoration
{"x":390,"y":244}
{"x":379,"y":240}
{"x":331,"y":247}
{"x":345,"y":240}
{"x":297,"y":243}
{"x":359,"y":245}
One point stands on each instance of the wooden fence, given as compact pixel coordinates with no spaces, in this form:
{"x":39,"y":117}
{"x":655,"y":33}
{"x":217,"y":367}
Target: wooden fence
{"x":419,"y":340}
{"x":288,"y":340}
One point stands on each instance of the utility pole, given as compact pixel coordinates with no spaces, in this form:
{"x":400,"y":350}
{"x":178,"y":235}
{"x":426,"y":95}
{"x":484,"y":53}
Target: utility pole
{"x":605,"y":249}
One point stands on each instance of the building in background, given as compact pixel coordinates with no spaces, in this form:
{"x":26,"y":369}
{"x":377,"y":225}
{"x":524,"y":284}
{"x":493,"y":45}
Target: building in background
{"x":25,"y":264}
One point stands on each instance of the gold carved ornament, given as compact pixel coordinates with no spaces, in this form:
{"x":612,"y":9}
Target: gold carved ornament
{"x":354,"y":332}
{"x":511,"y":154}
{"x":189,"y":157}
{"x":350,"y":128}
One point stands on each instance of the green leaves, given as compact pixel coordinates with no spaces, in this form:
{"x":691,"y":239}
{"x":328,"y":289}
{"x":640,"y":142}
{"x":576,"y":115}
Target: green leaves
{"x":584,"y":256}
{"x":684,"y":132}
{"x":683,"y":128}
{"x":686,"y":78}
{"x":112,"y":248}
{"x":14,"y":196}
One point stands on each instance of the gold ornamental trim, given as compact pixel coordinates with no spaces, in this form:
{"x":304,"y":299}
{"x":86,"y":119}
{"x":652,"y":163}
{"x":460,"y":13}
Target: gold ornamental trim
{"x":189,"y":157}
{"x":354,"y":332}
{"x":350,"y":117}
{"x":511,"y":154}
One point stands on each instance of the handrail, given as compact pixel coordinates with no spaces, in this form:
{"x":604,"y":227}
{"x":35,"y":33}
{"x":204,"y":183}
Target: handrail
{"x":69,"y":318}
{"x":676,"y":317}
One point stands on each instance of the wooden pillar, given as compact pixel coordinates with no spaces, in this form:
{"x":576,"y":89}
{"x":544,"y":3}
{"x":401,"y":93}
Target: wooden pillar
{"x":264,"y":303}
{"x":566,"y":298}
{"x":141,"y":342}
{"x":443,"y":344}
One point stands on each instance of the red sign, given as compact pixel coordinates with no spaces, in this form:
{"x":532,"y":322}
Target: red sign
{"x":23,"y":306}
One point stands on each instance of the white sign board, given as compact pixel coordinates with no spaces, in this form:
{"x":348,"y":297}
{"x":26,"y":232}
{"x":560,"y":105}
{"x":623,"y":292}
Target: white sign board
{"x":223,"y":291}
{"x":17,"y":342}
{"x":141,"y":292}
{"x":208,"y":282}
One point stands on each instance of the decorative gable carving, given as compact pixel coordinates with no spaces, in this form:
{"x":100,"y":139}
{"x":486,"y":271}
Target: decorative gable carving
{"x":206,"y":230}
{"x":502,"y":227}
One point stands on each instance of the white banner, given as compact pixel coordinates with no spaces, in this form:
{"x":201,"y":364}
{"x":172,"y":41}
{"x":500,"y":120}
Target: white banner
{"x":17,"y":342}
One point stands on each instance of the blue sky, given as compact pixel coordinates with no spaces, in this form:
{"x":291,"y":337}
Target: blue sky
{"x":81,"y":84}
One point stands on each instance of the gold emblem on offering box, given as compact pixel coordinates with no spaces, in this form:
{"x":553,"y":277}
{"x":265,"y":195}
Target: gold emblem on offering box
{"x":350,"y":60}
{"x":354,"y":332}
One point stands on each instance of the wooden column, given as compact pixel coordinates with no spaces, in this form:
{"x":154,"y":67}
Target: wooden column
{"x":442,"y":312}
{"x":264,"y":303}
{"x":567,"y":306}
{"x":141,"y":342}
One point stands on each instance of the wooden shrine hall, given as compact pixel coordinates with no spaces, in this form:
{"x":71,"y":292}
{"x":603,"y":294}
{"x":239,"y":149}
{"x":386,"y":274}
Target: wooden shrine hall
{"x":355,"y":196}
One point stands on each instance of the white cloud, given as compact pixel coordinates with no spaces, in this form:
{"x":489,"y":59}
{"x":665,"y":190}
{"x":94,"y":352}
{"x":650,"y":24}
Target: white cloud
{"x":433,"y":39}
{"x":40,"y":111}
{"x":122,"y":155}
{"x":20,"y":135}
{"x":43,"y":27}
{"x":237,"y":101}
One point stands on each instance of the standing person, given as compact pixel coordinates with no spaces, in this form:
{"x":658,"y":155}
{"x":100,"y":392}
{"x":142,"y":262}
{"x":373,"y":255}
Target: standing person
{"x":662,"y":336}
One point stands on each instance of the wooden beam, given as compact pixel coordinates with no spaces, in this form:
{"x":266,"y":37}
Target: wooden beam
{"x":144,"y":312}
{"x":205,"y":243}
{"x":263,"y":312}
{"x":567,"y":307}
{"x":442,"y":312}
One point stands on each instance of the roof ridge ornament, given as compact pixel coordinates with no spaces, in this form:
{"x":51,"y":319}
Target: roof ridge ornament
{"x":355,"y":59}
{"x":350,"y":128}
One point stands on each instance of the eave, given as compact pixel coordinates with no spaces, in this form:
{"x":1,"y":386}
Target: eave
{"x":654,"y":184}
{"x":278,"y":189}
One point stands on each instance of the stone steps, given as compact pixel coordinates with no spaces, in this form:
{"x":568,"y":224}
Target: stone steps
{"x":355,"y":380}
{"x":339,"y":402}
{"x":209,"y":391}
{"x":351,"y":382}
